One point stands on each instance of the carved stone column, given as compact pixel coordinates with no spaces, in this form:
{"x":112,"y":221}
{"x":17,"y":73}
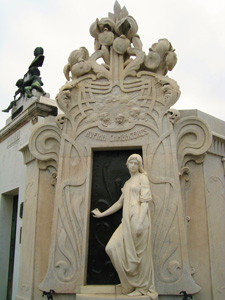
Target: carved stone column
{"x":27,"y":258}
{"x":215,"y":203}
{"x":37,"y":221}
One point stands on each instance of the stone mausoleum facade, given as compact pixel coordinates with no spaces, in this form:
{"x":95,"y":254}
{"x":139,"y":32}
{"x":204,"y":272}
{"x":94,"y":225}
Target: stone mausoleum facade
{"x":57,"y":167}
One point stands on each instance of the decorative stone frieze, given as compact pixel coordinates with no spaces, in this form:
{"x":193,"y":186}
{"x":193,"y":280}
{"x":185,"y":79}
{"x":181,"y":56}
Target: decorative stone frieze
{"x":218,"y":145}
{"x":27,"y":156}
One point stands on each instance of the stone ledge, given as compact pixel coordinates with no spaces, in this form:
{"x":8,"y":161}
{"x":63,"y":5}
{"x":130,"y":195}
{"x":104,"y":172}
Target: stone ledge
{"x":37,"y":109}
{"x":109,"y":296}
{"x":98,"y":289}
{"x":94,"y":292}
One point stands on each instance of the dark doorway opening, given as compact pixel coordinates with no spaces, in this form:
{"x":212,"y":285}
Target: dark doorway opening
{"x":12,"y":247}
{"x":109,"y":174}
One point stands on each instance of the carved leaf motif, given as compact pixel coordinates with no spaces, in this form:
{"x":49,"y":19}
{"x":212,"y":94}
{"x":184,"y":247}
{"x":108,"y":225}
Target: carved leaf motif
{"x":66,"y":71}
{"x":137,"y":42}
{"x":124,"y":12}
{"x":63,"y":266}
{"x":70,"y":236}
{"x":134,"y":65}
{"x":111,"y":16}
{"x":185,"y":171}
{"x":193,"y":137}
{"x":94,"y":30}
{"x":45,"y":142}
{"x":126,"y":26}
{"x":171,"y":273}
{"x":98,"y":69}
{"x":117,"y":10}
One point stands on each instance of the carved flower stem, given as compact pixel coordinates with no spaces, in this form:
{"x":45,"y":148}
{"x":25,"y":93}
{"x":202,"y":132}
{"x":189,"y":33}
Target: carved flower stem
{"x":116,"y":66}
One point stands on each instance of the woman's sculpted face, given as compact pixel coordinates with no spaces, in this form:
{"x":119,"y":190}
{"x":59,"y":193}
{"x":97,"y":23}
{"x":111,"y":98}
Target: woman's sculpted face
{"x":133,"y":166}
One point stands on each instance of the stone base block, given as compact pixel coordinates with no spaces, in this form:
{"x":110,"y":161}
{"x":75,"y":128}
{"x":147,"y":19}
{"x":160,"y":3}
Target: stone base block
{"x":109,"y":296}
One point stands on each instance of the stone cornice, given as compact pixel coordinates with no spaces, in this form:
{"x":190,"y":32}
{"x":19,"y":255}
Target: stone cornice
{"x":218,"y":145}
{"x":33,"y":111}
{"x":27,"y":156}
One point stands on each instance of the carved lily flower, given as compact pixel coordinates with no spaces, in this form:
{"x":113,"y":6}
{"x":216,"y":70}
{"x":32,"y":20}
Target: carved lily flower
{"x":106,"y":22}
{"x":162,"y":47}
{"x":78,"y":63}
{"x":166,"y":52}
{"x":102,"y":31}
{"x":161,"y":57}
{"x":171,"y":60}
{"x":121,"y":44}
{"x":152,"y":60}
{"x":127,"y":26}
{"x":106,"y":37}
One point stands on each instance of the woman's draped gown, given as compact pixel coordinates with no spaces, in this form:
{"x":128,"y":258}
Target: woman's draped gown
{"x":131,"y":253}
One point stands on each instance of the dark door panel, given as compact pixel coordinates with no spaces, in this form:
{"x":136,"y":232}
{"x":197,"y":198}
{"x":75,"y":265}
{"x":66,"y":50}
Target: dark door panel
{"x":108,"y":177}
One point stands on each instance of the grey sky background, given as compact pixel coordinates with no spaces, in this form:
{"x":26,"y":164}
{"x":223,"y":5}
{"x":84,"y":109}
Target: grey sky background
{"x":196,"y":29}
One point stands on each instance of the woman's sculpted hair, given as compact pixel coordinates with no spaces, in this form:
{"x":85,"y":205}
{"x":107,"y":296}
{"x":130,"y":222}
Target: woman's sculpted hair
{"x":139,"y":160}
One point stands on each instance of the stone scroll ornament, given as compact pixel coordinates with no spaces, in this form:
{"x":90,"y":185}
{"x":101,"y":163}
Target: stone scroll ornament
{"x":119,"y":97}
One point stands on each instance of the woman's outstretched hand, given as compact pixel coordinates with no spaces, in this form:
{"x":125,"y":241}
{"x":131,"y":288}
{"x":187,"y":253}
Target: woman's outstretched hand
{"x":96,"y":213}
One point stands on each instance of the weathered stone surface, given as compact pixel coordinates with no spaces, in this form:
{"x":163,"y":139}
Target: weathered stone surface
{"x":13,"y":138}
{"x":125,"y":103}
{"x":118,"y":104}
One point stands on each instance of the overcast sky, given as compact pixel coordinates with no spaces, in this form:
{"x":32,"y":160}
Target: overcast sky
{"x":196,"y":29}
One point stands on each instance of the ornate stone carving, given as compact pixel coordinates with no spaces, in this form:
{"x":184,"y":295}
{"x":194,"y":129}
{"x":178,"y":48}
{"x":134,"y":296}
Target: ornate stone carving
{"x":45,"y":141}
{"x":27,"y":156}
{"x":130,"y":246}
{"x":78,"y":64}
{"x":218,"y":145}
{"x":173,"y":115}
{"x":121,"y":103}
{"x":193,"y":138}
{"x":161,"y":57}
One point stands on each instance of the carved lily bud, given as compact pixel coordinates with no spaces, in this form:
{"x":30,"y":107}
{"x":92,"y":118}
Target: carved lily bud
{"x":162,"y":47}
{"x":137,"y":42}
{"x":80,"y":68}
{"x":66,"y":71}
{"x":99,"y":26}
{"x":106,"y":38}
{"x":171,"y":60}
{"x":78,"y":63}
{"x":121,"y":44}
{"x":94,"y":29}
{"x":152,"y":60}
{"x":106,"y":23}
{"x":77,"y":55}
{"x":127,"y":26}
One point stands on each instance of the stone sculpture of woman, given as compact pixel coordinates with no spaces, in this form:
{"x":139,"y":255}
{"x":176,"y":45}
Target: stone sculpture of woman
{"x":130,"y":246}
